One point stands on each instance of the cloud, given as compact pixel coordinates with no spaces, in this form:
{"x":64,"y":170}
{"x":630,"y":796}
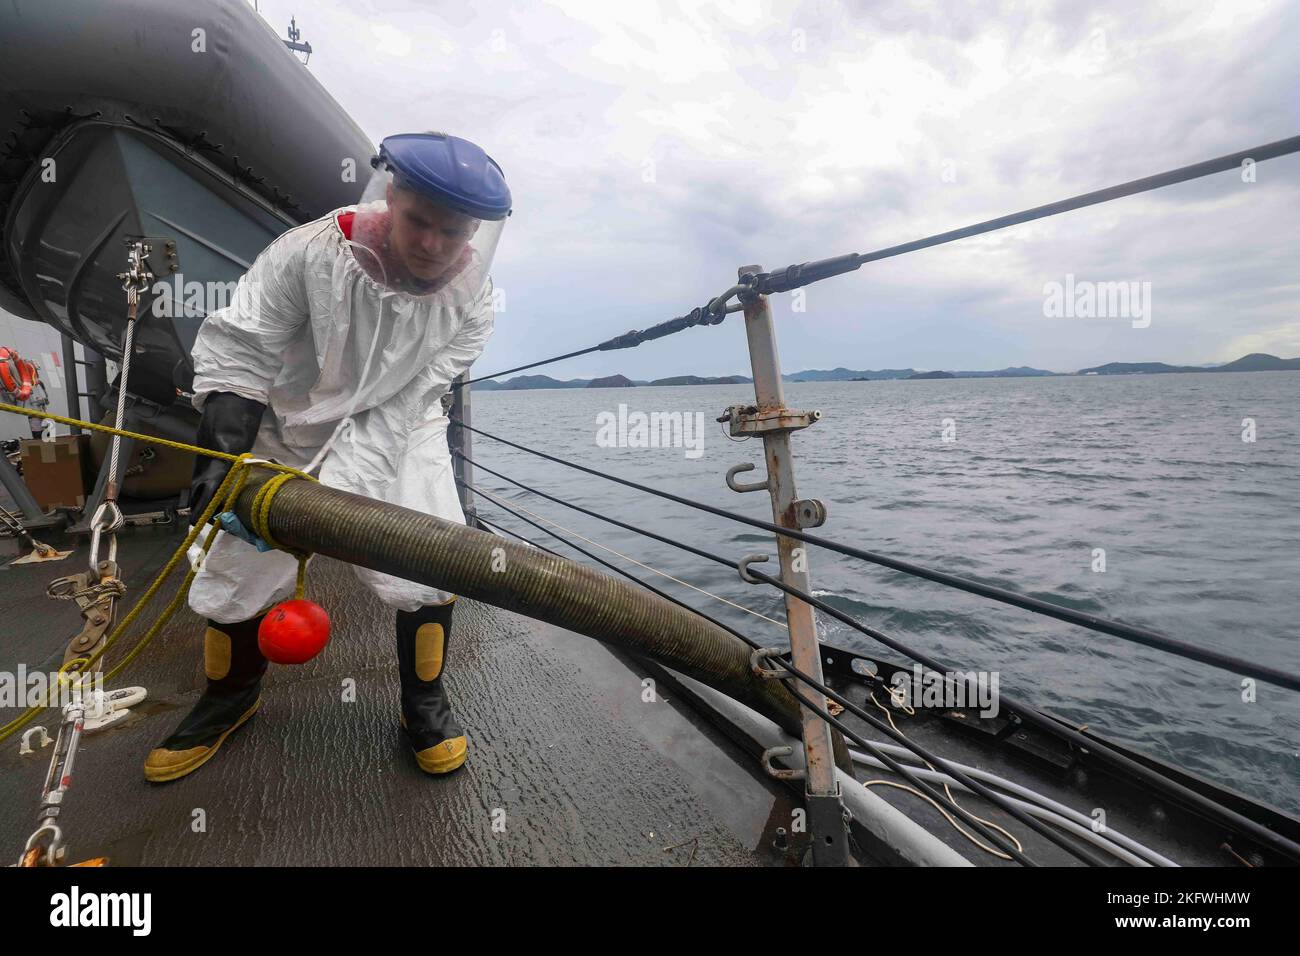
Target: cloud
{"x":653,"y":148}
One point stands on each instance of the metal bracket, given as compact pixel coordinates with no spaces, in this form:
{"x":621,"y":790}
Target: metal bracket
{"x":146,"y":263}
{"x":779,"y":773}
{"x":809,"y":513}
{"x":751,"y":420}
{"x":828,"y":827}
{"x":743,"y":567}
{"x":735,"y":485}
{"x":96,"y":593}
{"x":104,"y":708}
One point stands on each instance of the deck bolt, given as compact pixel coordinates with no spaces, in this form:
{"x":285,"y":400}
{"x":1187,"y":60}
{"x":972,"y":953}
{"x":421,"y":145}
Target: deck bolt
{"x":781,"y":842}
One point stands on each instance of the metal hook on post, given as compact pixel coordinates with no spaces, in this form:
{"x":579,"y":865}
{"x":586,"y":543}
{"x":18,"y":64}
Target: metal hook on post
{"x":743,"y":567}
{"x":744,"y":486}
{"x":777,"y":772}
{"x":757,"y":665}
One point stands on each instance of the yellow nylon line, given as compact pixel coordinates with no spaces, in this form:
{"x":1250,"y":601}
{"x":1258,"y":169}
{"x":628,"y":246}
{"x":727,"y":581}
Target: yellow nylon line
{"x":30,"y":413}
{"x":223,"y":500}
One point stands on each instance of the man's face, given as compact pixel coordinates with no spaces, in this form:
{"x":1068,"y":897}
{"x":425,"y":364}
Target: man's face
{"x":427,"y":238}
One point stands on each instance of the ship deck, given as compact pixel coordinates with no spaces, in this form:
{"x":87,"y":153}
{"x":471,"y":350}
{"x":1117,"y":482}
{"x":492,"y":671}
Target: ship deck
{"x":566,"y":758}
{"x":569,"y":763}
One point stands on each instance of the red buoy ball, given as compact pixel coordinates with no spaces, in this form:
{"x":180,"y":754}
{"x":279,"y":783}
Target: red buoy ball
{"x":293,"y":632}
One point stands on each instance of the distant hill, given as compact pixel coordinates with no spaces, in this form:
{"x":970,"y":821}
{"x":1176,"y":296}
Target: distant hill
{"x":698,"y":380}
{"x":1254,"y":362}
{"x":534,"y":381}
{"x":611,"y":381}
{"x":1260,"y":362}
{"x":846,"y":374}
{"x":1137,"y":368}
{"x":1019,"y":371}
{"x":884,"y":374}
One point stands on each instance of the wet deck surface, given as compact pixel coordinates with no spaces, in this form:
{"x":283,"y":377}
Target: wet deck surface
{"x":563,"y":750}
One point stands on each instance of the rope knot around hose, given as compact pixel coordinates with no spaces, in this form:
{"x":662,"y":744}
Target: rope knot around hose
{"x":223,"y":500}
{"x":261,"y":521}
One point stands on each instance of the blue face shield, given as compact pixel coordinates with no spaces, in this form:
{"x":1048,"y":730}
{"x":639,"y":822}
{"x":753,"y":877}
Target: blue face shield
{"x":431,"y":217}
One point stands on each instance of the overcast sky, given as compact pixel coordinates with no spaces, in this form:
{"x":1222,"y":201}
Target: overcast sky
{"x":654,"y":147}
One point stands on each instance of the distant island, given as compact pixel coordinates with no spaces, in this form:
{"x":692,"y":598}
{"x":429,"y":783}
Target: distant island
{"x":885,"y":374}
{"x":611,"y":381}
{"x":1255,"y":362}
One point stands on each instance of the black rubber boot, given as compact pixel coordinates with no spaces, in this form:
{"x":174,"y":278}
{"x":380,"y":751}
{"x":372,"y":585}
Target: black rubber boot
{"x":422,"y":636}
{"x":234,"y":666}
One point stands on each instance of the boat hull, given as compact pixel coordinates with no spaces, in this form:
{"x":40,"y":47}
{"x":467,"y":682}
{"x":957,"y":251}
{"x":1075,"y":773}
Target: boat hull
{"x":144,"y":118}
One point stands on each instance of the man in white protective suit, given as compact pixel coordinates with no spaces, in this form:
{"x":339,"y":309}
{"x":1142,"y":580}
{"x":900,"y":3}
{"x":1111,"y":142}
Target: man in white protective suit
{"x":336,"y":351}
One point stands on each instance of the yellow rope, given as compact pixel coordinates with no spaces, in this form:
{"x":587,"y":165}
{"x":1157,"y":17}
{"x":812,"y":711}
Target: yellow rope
{"x":260,"y":515}
{"x":167,"y":443}
{"x":223,"y":500}
{"x":261,"y":510}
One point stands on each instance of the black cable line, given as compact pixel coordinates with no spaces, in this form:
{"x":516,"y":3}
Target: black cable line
{"x":486,"y":493}
{"x":1129,"y":632}
{"x":976,"y":787}
{"x":595,"y":514}
{"x":502,"y":529}
{"x":520,"y":368}
{"x":825,"y":715}
{"x":1024,"y":710}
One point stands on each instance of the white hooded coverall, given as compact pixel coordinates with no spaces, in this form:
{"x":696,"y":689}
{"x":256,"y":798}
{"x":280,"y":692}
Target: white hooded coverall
{"x":296,"y":337}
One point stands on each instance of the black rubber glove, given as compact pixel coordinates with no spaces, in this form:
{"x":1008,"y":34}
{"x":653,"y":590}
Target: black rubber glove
{"x":229,"y":424}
